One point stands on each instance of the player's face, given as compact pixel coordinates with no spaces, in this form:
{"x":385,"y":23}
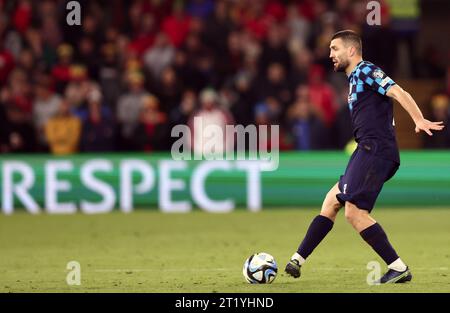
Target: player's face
{"x":339,"y":55}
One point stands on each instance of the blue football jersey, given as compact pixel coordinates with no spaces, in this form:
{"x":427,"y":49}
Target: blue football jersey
{"x":371,"y":110}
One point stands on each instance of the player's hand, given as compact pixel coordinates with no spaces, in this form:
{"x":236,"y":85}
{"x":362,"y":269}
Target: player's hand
{"x":427,"y":126}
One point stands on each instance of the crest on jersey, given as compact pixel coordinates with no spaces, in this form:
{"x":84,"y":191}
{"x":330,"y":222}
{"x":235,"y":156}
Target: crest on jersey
{"x":378,"y":73}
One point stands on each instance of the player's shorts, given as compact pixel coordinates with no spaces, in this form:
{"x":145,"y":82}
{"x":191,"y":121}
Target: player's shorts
{"x":364,"y":177}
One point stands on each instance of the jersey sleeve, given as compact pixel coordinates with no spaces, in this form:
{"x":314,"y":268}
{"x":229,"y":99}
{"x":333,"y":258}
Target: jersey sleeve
{"x":375,"y":78}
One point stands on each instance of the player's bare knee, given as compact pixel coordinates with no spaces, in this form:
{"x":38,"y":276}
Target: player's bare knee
{"x":350,"y":216}
{"x":336,"y":206}
{"x":351,"y":213}
{"x":330,"y":205}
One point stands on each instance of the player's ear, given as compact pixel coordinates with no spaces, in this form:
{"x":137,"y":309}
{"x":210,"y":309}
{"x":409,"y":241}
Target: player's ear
{"x":351,"y":51}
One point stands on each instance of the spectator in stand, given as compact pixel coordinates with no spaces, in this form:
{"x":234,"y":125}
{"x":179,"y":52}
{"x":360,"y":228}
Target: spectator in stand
{"x":204,"y":143}
{"x":133,"y":18}
{"x":20,"y":90}
{"x":298,"y":25}
{"x":200,"y":8}
{"x":98,"y":132}
{"x":195,"y":52}
{"x":50,"y":29}
{"x":307,"y":129}
{"x":87,"y":55}
{"x":217,"y":28}
{"x":109,"y":75}
{"x":61,"y":71}
{"x":4,"y":96}
{"x":159,"y":9}
{"x":63,"y":131}
{"x":180,"y":115}
{"x":46,"y":105}
{"x":266,"y":117}
{"x":76,"y":94}
{"x":46,"y":57}
{"x":243,"y":102}
{"x":256,"y":18}
{"x":275,"y":85}
{"x":230,"y":59}
{"x":183,"y":112}
{"x":299,"y":71}
{"x":186,"y":73}
{"x":159,"y":56}
{"x":18,"y":133}
{"x":91,"y":96}
{"x":176,"y":25}
{"x":144,"y":37}
{"x":21,"y":17}
{"x":322,"y":42}
{"x":6,"y":59}
{"x":91,"y":26}
{"x":274,"y":50}
{"x":342,"y":132}
{"x":129,"y":107}
{"x":270,"y":110}
{"x":151,"y":133}
{"x":169,"y":90}
{"x":322,"y":95}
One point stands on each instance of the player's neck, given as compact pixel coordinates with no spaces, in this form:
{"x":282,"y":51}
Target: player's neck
{"x":352,"y":65}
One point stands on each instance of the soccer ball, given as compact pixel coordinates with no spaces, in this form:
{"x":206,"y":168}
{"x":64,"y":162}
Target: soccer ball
{"x":260,"y":268}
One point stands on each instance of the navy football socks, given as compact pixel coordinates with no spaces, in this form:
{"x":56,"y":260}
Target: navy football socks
{"x":376,"y":237}
{"x":319,"y":228}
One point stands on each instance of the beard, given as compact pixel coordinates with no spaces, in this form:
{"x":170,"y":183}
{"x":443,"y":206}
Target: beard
{"x":341,"y":66}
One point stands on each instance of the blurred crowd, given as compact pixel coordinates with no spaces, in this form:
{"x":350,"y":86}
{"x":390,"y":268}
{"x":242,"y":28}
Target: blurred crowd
{"x":134,"y":69}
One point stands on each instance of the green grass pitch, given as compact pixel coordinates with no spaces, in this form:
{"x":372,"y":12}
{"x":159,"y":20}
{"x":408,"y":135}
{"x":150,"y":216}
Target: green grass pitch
{"x":148,"y":251}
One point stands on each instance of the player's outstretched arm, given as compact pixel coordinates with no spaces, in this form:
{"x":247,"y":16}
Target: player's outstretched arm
{"x":407,"y":102}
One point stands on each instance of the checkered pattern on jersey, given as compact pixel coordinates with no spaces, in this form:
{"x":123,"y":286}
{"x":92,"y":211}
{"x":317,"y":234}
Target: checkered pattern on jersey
{"x":367,"y":77}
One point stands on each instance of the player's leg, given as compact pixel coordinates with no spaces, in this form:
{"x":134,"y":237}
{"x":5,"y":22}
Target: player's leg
{"x":360,"y":219}
{"x":318,"y":229}
{"x":330,"y":205}
{"x":374,"y":235}
{"x":362,"y":183}
{"x":321,"y":224}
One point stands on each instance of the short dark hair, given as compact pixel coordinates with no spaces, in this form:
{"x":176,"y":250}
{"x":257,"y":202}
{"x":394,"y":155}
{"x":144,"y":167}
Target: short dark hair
{"x":350,"y":36}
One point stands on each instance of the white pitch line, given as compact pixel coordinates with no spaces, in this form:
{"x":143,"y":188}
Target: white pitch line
{"x":352,"y":269}
{"x":234,"y":269}
{"x":165,"y":270}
